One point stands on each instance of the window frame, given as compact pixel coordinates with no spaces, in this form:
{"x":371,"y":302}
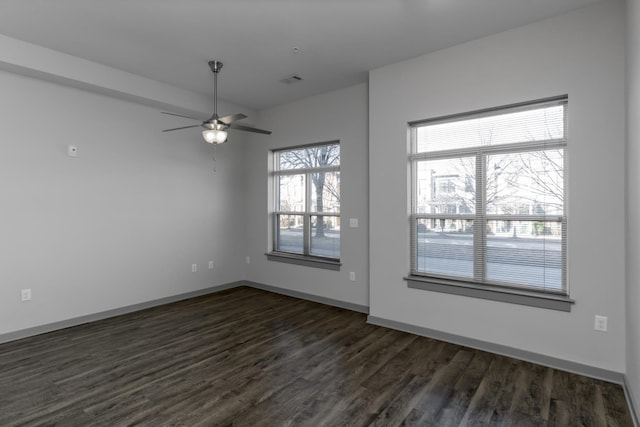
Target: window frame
{"x":307,"y":258}
{"x":478,"y":285}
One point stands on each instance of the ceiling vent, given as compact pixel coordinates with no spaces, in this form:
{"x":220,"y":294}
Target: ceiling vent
{"x":293,"y":78}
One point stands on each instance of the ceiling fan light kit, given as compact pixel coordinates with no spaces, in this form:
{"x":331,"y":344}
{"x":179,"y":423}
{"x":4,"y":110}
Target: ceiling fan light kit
{"x":215,"y":128}
{"x":214,"y":136}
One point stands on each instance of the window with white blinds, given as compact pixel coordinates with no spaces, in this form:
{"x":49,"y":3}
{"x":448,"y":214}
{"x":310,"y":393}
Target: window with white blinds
{"x":488,"y":197}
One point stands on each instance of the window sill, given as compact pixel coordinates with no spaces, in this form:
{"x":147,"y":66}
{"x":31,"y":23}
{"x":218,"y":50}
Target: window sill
{"x":493,"y":293}
{"x":307,"y":261}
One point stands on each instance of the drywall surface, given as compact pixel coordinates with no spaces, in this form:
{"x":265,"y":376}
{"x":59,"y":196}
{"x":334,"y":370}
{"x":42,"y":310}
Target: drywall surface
{"x":334,"y":116}
{"x":46,"y":64}
{"x":581,"y":54}
{"x":121,"y":223}
{"x":633,"y":199}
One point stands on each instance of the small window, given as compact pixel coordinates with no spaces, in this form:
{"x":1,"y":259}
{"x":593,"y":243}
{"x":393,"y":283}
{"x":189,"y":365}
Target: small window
{"x":488,"y":198}
{"x":306,"y":216}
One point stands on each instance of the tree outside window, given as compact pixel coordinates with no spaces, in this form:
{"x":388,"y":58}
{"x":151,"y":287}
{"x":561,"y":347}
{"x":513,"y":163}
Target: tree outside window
{"x":313,"y":172}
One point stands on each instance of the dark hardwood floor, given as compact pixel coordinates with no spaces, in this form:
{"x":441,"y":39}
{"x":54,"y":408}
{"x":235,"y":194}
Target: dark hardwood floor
{"x":246,"y":357}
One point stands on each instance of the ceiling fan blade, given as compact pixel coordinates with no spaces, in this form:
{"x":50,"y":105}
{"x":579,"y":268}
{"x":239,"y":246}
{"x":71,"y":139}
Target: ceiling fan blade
{"x":183,"y":127}
{"x":250,"y":129}
{"x":227,"y":120}
{"x":181,"y":115}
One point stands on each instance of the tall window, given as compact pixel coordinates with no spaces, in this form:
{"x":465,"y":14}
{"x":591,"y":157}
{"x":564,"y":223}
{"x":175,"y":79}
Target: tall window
{"x":488,"y":197}
{"x":307,"y":201}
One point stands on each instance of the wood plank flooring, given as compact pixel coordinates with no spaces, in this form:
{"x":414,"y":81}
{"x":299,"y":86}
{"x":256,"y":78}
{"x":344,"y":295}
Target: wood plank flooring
{"x":246,"y":357}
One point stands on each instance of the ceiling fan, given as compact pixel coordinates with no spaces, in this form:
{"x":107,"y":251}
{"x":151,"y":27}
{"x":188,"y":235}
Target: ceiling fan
{"x":215,"y":128}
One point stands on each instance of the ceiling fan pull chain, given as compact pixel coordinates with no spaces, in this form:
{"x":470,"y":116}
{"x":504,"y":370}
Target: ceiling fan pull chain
{"x":214,"y":156}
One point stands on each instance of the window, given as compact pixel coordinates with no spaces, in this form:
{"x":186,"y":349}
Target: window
{"x":306,"y":217}
{"x":488,"y":198}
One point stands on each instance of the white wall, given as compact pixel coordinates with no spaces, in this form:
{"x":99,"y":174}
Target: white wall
{"x":339,"y":115}
{"x":118,"y":225}
{"x":633,"y":199}
{"x":580,"y":54}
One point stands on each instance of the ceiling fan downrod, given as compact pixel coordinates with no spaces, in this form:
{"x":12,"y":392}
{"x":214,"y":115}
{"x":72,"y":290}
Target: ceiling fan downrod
{"x":215,"y":66}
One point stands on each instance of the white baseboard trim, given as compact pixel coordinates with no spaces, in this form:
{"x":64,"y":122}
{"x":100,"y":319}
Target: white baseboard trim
{"x":309,"y":297}
{"x":50,"y":327}
{"x":528,"y":356}
{"x":631,"y":402}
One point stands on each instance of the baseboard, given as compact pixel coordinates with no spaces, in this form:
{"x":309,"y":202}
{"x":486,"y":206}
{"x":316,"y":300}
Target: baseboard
{"x":631,"y":402}
{"x":309,"y":297}
{"x":50,"y":327}
{"x":540,"y":359}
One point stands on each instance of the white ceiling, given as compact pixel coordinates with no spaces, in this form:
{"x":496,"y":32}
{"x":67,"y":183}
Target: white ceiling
{"x":339,"y":41}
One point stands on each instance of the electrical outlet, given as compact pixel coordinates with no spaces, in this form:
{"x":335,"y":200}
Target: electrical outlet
{"x":600,"y":323}
{"x":353,"y":222}
{"x":25,"y":295}
{"x":194,"y":268}
{"x":352,"y":276}
{"x":210,"y":265}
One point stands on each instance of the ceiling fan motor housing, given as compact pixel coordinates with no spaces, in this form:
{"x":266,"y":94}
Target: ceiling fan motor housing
{"x":215,"y":124}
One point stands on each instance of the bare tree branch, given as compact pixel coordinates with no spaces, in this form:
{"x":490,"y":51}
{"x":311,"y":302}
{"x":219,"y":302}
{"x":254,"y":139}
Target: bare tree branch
{"x":313,"y":157}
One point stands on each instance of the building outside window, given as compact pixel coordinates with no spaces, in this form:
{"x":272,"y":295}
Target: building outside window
{"x":306,"y":218}
{"x":488,"y":197}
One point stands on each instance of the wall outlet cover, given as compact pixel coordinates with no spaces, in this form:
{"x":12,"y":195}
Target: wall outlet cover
{"x":600,"y":323}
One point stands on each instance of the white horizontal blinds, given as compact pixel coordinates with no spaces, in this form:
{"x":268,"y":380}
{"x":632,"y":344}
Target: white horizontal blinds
{"x":289,"y":233}
{"x":525,"y":217}
{"x":444,"y":201}
{"x":307,"y":200}
{"x":488,"y":200}
{"x":520,"y":124}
